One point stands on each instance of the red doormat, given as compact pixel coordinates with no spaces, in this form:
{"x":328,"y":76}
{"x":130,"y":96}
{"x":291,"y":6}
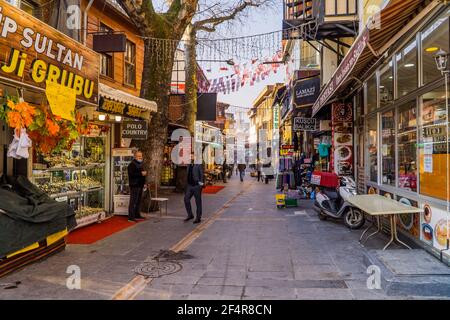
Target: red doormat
{"x":98,"y":231}
{"x":212,"y":189}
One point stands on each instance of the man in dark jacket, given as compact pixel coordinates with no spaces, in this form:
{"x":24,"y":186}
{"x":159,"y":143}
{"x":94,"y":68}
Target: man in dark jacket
{"x":136,"y":179}
{"x":241,"y":168}
{"x":195,"y":183}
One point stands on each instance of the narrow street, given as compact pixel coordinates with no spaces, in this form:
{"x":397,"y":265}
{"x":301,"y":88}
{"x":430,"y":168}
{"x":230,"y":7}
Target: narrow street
{"x":244,"y":249}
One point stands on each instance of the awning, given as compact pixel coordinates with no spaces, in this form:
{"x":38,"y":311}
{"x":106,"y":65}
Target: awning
{"x":124,"y":97}
{"x":372,"y":42}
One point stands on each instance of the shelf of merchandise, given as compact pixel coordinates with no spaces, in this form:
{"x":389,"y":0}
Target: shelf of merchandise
{"x":56,"y":169}
{"x":74,"y":194}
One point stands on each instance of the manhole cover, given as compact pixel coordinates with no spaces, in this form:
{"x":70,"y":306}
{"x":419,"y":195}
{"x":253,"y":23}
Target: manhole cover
{"x":156,"y":269}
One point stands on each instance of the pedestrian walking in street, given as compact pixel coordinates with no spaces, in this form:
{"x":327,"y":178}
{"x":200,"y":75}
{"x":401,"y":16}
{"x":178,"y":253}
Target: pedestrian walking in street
{"x":224,"y":171}
{"x":241,"y":168}
{"x":136,"y":178}
{"x":195,"y":183}
{"x":258,"y":169}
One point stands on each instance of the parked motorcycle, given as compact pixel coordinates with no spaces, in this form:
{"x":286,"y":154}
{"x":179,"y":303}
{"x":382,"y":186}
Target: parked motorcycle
{"x":332,"y":203}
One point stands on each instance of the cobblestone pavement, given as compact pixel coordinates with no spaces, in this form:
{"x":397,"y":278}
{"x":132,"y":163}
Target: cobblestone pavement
{"x":247,"y":250}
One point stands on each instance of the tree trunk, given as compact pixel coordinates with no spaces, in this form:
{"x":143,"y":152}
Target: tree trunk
{"x":191,"y":80}
{"x":156,"y":80}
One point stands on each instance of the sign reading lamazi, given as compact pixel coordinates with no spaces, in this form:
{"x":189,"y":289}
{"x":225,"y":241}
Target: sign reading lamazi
{"x":34,"y":53}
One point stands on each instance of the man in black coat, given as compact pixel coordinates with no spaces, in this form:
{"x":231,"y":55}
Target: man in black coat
{"x":195,"y":183}
{"x":136,"y":179}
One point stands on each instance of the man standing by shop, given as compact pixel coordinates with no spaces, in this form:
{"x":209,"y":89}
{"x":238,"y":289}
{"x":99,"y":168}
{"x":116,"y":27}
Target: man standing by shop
{"x":136,"y":179}
{"x":195,"y":183}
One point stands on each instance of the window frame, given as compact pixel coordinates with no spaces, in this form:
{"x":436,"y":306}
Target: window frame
{"x":104,"y":28}
{"x":127,"y":63}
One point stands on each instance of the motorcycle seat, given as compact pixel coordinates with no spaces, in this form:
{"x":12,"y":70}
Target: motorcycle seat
{"x":331,"y":194}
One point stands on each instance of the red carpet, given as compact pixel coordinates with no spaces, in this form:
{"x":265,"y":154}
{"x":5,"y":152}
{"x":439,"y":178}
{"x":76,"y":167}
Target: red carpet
{"x":212,"y":189}
{"x":98,"y":231}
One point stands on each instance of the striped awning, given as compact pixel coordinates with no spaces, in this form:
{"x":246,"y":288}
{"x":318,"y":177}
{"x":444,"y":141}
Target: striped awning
{"x":124,"y":97}
{"x":373,"y":41}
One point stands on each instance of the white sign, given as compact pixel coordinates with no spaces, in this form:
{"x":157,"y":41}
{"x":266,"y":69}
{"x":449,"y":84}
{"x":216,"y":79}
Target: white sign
{"x":428,"y":163}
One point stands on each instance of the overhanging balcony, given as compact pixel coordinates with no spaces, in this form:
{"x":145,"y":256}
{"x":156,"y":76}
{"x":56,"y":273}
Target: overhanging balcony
{"x":320,"y":19}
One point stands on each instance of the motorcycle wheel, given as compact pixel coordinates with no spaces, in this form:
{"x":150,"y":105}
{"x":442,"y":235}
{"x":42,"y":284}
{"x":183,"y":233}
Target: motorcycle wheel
{"x":354,"y":219}
{"x":322,"y":216}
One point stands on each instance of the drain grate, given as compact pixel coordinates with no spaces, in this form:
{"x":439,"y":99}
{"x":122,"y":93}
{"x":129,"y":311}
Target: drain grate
{"x":156,"y":269}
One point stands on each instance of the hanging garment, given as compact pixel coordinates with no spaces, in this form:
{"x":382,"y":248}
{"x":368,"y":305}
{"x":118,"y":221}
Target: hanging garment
{"x":324,"y":150}
{"x":24,"y":145}
{"x":18,"y":148}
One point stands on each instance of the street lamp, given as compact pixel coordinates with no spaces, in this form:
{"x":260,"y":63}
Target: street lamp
{"x":441,"y":59}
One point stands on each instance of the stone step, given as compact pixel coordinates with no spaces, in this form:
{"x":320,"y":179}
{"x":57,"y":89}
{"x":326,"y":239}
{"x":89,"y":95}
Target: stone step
{"x":410,"y":272}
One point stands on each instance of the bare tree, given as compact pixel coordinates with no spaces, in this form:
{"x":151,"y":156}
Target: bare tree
{"x":213,"y":16}
{"x":156,"y":76}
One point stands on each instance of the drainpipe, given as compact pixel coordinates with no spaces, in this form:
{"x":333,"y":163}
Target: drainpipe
{"x":85,"y":21}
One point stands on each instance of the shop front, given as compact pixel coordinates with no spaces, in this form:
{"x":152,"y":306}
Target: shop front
{"x":45,"y":79}
{"x":127,"y":118}
{"x":399,"y":106}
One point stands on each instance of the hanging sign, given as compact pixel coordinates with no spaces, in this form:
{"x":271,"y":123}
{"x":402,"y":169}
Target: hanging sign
{"x":305,"y":124}
{"x":306,"y":91}
{"x":136,"y":130}
{"x":34,"y":53}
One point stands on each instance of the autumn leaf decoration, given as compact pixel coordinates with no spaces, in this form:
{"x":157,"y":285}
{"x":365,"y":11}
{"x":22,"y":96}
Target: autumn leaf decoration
{"x":50,"y":134}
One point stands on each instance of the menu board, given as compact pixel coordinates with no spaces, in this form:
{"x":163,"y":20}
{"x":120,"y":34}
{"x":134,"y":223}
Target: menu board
{"x":342,"y":138}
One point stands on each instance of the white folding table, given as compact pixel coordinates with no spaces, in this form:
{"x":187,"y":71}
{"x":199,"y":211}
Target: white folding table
{"x":378,"y":206}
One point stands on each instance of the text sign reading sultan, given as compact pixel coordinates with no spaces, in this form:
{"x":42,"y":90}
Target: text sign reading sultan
{"x":135,"y":130}
{"x":33,"y":52}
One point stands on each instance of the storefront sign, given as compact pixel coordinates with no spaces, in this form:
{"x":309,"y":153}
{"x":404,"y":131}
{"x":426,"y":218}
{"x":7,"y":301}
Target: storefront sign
{"x":120,"y":108}
{"x":34,"y":53}
{"x":136,"y":130}
{"x":305,"y":124}
{"x":342,"y":139}
{"x":306,"y":91}
{"x":276,"y":117}
{"x":343,"y":71}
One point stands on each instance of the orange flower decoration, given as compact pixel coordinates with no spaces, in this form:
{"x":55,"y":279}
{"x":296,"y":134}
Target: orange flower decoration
{"x":52,"y":127}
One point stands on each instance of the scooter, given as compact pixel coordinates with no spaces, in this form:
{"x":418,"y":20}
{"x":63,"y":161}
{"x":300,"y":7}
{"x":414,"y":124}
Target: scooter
{"x":333,"y":204}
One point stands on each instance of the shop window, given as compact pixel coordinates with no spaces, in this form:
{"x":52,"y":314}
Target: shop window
{"x":371,"y":94}
{"x":106,"y":65}
{"x":372,"y":139}
{"x":386,"y":85}
{"x":434,"y":37}
{"x":432,"y":148}
{"x":407,"y":146}
{"x":407,"y":69}
{"x":130,"y":63}
{"x":388,"y":147}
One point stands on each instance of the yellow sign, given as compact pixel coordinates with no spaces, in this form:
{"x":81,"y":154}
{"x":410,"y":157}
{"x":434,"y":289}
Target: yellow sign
{"x":62,"y":100}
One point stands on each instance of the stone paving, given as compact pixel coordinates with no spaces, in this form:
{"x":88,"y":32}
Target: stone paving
{"x":252,"y":251}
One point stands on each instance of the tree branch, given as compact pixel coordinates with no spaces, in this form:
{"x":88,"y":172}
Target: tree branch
{"x":215,"y":21}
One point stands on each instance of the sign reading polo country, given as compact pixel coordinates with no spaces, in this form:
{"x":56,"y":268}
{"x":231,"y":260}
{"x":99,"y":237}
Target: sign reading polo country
{"x":34,"y":53}
{"x":137,"y":130}
{"x":305,"y":124}
{"x":306,"y":91}
{"x":120,"y":108}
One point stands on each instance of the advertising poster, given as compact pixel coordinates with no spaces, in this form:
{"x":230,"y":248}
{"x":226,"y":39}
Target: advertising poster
{"x":434,"y":225}
{"x":342,"y":138}
{"x":409,"y":222}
